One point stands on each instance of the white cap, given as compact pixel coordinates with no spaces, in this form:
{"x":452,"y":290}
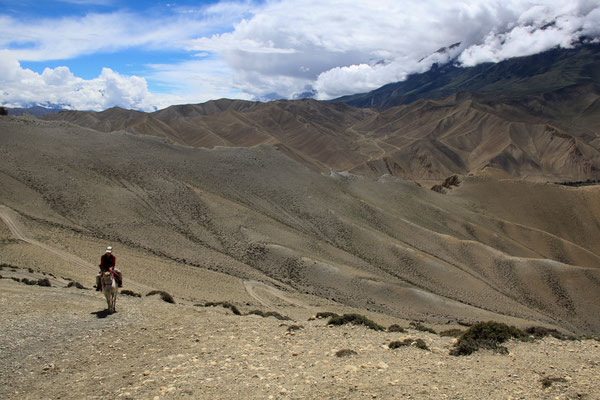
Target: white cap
{"x":109,"y":249}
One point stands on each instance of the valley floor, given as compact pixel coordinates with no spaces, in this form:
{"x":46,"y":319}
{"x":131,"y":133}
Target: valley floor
{"x":57,"y":343}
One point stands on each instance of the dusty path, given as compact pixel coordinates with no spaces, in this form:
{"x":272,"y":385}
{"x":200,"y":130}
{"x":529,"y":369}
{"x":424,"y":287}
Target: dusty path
{"x":252,"y":286}
{"x":18,"y":231}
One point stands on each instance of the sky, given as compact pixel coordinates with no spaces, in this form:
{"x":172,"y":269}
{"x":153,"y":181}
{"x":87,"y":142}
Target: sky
{"x":147,"y":55}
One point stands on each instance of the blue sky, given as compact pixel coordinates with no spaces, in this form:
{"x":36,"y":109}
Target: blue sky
{"x":95,"y":54}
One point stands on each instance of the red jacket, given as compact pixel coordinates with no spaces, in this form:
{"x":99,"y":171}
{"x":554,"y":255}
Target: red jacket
{"x":107,"y":262}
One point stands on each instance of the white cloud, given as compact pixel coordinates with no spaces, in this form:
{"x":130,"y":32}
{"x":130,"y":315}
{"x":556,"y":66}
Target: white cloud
{"x":343,"y":47}
{"x":58,"y":86}
{"x":196,"y":81}
{"x":70,"y":37}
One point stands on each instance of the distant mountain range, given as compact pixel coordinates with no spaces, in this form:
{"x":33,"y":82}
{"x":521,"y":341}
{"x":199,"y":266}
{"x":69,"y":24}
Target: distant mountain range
{"x":507,"y":80}
{"x":534,"y":117}
{"x":36,"y":111}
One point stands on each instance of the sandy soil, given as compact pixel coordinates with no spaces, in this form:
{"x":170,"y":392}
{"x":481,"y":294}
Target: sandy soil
{"x":152,"y":349}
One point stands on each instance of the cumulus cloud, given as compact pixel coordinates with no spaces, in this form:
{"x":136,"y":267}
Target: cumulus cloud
{"x":343,"y":47}
{"x":58,"y":86}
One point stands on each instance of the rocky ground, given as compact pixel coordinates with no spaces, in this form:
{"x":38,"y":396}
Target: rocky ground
{"x":58,"y":342}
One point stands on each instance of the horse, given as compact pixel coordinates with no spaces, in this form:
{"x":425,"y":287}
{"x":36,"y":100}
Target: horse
{"x":110,"y":289}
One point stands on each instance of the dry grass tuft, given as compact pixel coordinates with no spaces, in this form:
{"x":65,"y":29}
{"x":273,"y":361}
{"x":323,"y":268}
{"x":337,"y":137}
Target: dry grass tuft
{"x":400,"y":343}
{"x":355,"y":319}
{"x":76,"y":285}
{"x":269,"y":314}
{"x":131,"y":293}
{"x":486,"y":335}
{"x":345,"y":353}
{"x":224,"y":304}
{"x":420,"y":327}
{"x":396,"y":328}
{"x":548,"y":381}
{"x":326,"y":314}
{"x":163,"y":295}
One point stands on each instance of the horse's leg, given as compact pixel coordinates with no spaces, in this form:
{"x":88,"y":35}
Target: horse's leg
{"x":107,"y":295}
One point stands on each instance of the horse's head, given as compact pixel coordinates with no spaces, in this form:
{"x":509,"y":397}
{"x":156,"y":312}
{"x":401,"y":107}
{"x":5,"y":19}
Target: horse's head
{"x":107,"y":279}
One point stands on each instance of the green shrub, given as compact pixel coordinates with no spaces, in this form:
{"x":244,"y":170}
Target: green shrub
{"x":400,"y":343}
{"x":420,"y":327}
{"x":224,"y":304}
{"x":163,"y":295}
{"x":540,"y":332}
{"x":452,"y":333}
{"x":355,"y":319}
{"x":76,"y":284}
{"x":44,"y":282}
{"x":548,"y":381}
{"x":326,"y":314}
{"x":396,"y":328}
{"x":131,"y":293}
{"x":486,"y":335}
{"x":345,"y":353}
{"x":270,"y":314}
{"x":420,"y":343}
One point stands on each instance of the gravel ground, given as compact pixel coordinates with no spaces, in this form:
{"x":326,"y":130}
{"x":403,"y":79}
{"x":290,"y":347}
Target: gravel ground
{"x":58,"y":343}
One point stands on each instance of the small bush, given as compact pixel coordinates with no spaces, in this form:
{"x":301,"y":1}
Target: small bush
{"x":224,"y":304}
{"x":396,"y":328}
{"x":540,"y":332}
{"x":163,"y":295}
{"x":548,"y":381}
{"x":269,"y":314}
{"x":420,"y":327}
{"x":326,"y":314}
{"x":131,"y":293}
{"x":77,"y":285}
{"x":486,"y":335}
{"x":293,"y":328}
{"x":44,"y":282}
{"x":400,"y":343}
{"x":452,"y":333}
{"x":345,"y":353}
{"x":420,"y":343}
{"x":355,"y":319}
{"x":30,"y":270}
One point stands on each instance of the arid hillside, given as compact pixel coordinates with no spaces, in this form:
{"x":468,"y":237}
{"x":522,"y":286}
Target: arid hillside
{"x":550,"y":137}
{"x":489,"y":248}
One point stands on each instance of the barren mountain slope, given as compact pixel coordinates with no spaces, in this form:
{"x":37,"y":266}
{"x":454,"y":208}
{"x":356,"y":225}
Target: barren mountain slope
{"x":548,"y":137}
{"x":388,"y":246}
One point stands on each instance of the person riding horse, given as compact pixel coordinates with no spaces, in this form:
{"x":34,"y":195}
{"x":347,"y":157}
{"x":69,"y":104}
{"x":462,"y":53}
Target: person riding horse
{"x":107,"y":263}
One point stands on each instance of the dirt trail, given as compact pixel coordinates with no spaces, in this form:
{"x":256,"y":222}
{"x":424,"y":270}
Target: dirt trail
{"x":17,"y":231}
{"x":252,"y":286}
